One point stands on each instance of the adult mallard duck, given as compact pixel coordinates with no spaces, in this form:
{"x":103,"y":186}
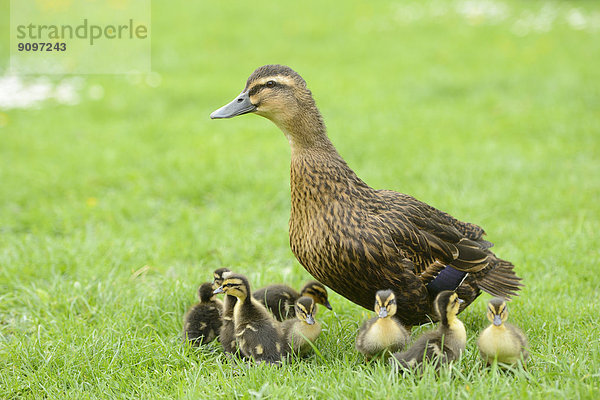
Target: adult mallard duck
{"x":356,"y":239}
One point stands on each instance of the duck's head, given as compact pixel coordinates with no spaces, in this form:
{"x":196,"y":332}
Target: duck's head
{"x":385,"y":303}
{"x":447,"y":305}
{"x":205,"y":292}
{"x":218,"y":276}
{"x":305,"y":310}
{"x":278,"y":93}
{"x":234,"y":285}
{"x":317,"y":292}
{"x":497,"y":311}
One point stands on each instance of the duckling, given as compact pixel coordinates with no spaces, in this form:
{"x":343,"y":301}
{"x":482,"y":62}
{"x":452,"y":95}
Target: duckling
{"x":219,"y":275}
{"x":356,"y":239}
{"x":202,"y":322}
{"x":259,"y":336}
{"x":304,"y":329}
{"x":442,"y":345}
{"x":280,"y":299}
{"x":227,"y":332}
{"x":501,"y":341}
{"x":382,"y":332}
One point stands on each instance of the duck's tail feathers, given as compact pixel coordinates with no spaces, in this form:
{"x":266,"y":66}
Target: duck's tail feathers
{"x":499,"y":278}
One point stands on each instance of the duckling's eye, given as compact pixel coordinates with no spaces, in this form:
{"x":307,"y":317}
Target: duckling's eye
{"x":270,"y":84}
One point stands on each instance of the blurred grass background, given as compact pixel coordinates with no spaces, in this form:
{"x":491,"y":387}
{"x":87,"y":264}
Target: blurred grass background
{"x":120,"y":197}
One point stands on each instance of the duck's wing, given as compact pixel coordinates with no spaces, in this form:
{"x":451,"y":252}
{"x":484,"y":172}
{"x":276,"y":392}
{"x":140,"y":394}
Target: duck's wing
{"x":428,"y":236}
{"x":433,"y":240}
{"x":466,"y":229}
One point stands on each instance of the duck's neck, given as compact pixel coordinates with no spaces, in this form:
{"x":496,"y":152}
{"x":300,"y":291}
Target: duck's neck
{"x":306,"y":132}
{"x":315,"y":162}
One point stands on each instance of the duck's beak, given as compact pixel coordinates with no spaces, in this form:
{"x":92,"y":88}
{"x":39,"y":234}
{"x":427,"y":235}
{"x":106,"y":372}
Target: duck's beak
{"x":383,"y":312}
{"x":240,"y":105}
{"x":497,"y":320}
{"x":326,"y":304}
{"x":218,"y":290}
{"x":310,"y":319}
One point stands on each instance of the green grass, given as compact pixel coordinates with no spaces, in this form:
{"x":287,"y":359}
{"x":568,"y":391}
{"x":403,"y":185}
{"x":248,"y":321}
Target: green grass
{"x":114,"y":210}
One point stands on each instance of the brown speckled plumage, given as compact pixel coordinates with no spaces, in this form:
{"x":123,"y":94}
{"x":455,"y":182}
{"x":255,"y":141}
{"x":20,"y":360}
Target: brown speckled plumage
{"x":356,"y":239}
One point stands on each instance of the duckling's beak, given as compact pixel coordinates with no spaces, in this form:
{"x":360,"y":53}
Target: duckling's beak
{"x":383,"y":312}
{"x":497,"y":320}
{"x":240,"y":105}
{"x":310,"y":319}
{"x":326,"y":304}
{"x":460,"y":301}
{"x":218,"y":290}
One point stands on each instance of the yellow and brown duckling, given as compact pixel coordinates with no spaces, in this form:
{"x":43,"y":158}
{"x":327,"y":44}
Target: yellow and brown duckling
{"x":227,"y":332}
{"x":354,"y":238}
{"x":280,"y":299}
{"x":501,"y":341}
{"x":259,"y":336}
{"x":219,"y":275}
{"x":444,"y":344}
{"x":303,"y":330}
{"x":383,"y":332}
{"x":202,"y":322}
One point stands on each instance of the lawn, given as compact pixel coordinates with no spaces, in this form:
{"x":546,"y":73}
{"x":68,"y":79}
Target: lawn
{"x":120,"y":198}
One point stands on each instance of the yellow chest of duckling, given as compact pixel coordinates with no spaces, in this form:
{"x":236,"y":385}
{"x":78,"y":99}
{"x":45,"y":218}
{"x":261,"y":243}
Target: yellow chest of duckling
{"x":302,"y":333}
{"x":499,"y":342}
{"x":458,"y":330}
{"x":384,"y":333}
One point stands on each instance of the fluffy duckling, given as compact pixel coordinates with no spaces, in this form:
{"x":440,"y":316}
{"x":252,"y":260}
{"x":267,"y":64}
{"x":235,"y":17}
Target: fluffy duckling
{"x":280,"y":299}
{"x":355,"y":238}
{"x":227,"y":332}
{"x":219,"y":275}
{"x":501,"y":341}
{"x":258,"y":335}
{"x":442,"y":345}
{"x":382,"y":332}
{"x":304,"y":329}
{"x":202,"y":322}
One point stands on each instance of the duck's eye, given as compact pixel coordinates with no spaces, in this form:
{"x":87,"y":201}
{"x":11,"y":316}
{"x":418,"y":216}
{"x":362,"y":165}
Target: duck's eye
{"x":270,"y":83}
